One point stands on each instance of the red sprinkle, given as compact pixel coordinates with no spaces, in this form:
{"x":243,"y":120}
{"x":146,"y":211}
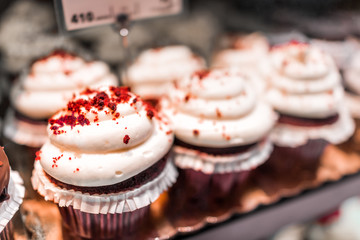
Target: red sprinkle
{"x":196,"y":132}
{"x":37,"y":154}
{"x":126,"y":139}
{"x":201,"y":74}
{"x":187,"y":97}
{"x":218,"y":113}
{"x":150,"y":113}
{"x":78,"y":108}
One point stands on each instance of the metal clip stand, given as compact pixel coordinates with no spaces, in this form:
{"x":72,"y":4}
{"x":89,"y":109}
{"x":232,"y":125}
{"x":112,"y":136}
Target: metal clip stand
{"x":122,"y":27}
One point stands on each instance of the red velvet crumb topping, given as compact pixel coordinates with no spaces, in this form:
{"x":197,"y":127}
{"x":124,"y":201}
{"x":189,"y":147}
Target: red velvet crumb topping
{"x":37,"y":154}
{"x":201,"y":74}
{"x":77,"y":108}
{"x":126,"y":139}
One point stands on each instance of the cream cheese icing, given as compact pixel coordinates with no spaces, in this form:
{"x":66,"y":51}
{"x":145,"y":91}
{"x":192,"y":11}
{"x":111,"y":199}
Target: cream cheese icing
{"x":244,"y":51}
{"x":104,"y":137}
{"x":303,"y":81}
{"x":218,"y":108}
{"x":52,"y":80}
{"x":155,"y":69}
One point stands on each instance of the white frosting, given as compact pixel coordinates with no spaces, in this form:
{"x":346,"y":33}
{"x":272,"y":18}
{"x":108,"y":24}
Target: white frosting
{"x":153,"y":71}
{"x":98,"y":154}
{"x":52,"y":81}
{"x":303,"y":81}
{"x":352,"y":73}
{"x":218,"y":109}
{"x":246,"y":51}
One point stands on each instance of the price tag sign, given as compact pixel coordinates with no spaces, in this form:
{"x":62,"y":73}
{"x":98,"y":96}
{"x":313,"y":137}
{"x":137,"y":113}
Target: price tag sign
{"x":78,"y":14}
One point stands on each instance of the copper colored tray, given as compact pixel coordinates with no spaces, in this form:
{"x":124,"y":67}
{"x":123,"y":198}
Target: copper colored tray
{"x":42,"y":219}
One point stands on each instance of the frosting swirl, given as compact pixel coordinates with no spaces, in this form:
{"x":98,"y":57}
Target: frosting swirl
{"x":218,"y":108}
{"x":52,"y":80}
{"x":104,"y":137}
{"x":303,"y":81}
{"x":242,"y":51}
{"x":155,"y":69}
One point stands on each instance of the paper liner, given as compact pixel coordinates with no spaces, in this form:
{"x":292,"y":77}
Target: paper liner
{"x":187,"y":158}
{"x":293,"y":136}
{"x":24,"y":133}
{"x":204,"y":192}
{"x":9,"y":207}
{"x":121,"y":202}
{"x":353,"y":103}
{"x":104,"y":226}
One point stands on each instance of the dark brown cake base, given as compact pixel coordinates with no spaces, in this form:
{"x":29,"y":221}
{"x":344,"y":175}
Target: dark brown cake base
{"x":207,"y":190}
{"x":6,"y":233}
{"x":82,"y":225}
{"x":134,"y":182}
{"x":29,"y":120}
{"x":291,"y":160}
{"x":307,"y":122}
{"x":196,"y":191}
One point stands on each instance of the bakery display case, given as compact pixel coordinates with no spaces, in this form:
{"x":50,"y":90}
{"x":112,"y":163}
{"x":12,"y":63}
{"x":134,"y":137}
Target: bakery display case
{"x":244,"y":116}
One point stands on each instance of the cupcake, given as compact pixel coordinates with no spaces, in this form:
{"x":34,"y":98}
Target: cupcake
{"x":242,"y":51}
{"x":221,"y":129}
{"x":305,"y":89}
{"x":107,"y":158}
{"x":352,"y":95}
{"x":46,"y":88}
{"x":155,"y":70}
{"x":11,"y":196}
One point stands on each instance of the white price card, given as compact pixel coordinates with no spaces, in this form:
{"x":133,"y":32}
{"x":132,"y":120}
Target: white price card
{"x":78,"y":14}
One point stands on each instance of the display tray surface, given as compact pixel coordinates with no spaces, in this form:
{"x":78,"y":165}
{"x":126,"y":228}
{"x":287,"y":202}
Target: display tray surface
{"x":268,"y":203}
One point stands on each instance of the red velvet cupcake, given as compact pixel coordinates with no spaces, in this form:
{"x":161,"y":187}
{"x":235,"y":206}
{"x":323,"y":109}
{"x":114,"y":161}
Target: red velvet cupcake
{"x":221,"y":130}
{"x":305,"y":88}
{"x":106,"y":160}
{"x":45,"y":88}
